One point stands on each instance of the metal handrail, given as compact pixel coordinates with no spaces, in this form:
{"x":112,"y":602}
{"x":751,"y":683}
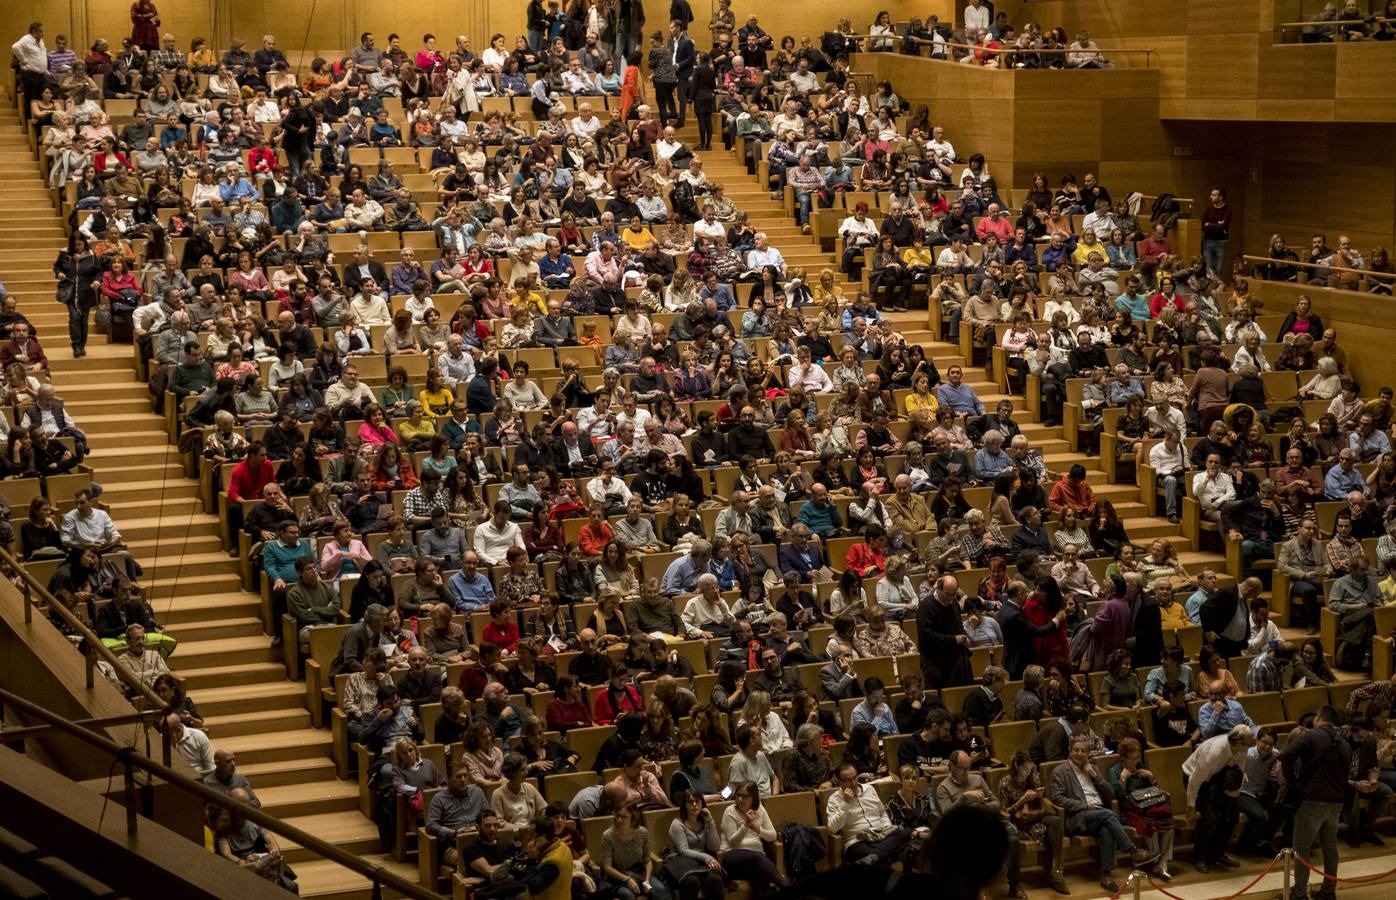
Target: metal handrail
{"x":1004,"y":50}
{"x":133,"y":760}
{"x":95,"y":648}
{"x":1365,"y":273}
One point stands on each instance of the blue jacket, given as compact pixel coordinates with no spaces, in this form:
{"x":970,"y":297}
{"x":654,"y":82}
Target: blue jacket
{"x":791,"y":559}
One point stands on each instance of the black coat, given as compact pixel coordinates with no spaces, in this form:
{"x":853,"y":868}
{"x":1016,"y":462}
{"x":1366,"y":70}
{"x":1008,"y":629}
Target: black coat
{"x":944,"y":660}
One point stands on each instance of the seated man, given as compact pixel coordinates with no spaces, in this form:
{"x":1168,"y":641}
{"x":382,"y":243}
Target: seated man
{"x":455,"y":811}
{"x":1079,"y":790}
{"x":856,"y":813}
{"x":1073,"y":491}
{"x":1354,"y":597}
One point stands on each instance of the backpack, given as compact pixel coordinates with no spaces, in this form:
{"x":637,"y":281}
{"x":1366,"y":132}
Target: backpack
{"x":682,"y":202}
{"x":804,"y":848}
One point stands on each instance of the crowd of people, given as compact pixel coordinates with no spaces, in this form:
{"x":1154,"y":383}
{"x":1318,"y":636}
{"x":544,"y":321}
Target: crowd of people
{"x":492,"y":459}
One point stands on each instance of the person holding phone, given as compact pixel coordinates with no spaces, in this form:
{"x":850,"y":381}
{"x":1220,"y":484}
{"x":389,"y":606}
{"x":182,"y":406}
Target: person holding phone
{"x":746,"y":829}
{"x":625,"y":857}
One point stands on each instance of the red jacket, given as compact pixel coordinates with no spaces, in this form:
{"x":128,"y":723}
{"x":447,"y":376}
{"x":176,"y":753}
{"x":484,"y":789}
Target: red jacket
{"x":11,"y":352}
{"x":630,"y":701}
{"x":864,"y":561}
{"x":506,"y":637}
{"x":244,"y":484}
{"x":562,"y":715}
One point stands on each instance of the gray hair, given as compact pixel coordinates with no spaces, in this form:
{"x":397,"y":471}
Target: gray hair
{"x":375,"y":611}
{"x":974,"y":517}
{"x":699,"y":546}
{"x":707,"y":579}
{"x":993,"y":674}
{"x":807,"y":732}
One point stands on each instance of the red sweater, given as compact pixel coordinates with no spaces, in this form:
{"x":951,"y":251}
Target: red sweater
{"x":244,"y":484}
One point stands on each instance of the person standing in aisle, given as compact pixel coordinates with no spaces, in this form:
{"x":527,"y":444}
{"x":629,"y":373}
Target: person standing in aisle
{"x":1216,"y":230}
{"x":703,"y":90}
{"x":664,"y":76}
{"x":683,"y":55}
{"x":1315,"y":764}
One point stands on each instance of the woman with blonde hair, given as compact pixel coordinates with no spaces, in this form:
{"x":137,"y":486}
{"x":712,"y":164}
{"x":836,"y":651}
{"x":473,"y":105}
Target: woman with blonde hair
{"x":757,"y":713}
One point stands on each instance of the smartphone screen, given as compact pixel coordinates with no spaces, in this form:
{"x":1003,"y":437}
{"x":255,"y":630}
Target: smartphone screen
{"x":727,"y":792}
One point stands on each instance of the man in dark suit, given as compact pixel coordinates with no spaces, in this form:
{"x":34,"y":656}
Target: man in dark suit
{"x":1090,"y":813}
{"x":363,"y":266}
{"x":1018,"y":632}
{"x":1226,"y":621}
{"x":684,"y":54}
{"x":801,"y":555}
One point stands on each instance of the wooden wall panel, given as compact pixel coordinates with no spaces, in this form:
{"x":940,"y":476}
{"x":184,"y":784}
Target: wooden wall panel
{"x":1222,"y":66}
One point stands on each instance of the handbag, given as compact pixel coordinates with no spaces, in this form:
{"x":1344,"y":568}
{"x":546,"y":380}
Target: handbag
{"x":66,"y":291}
{"x":1147,"y":798}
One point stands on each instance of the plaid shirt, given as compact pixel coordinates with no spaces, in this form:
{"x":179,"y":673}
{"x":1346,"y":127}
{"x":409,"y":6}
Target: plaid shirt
{"x":167,"y":60}
{"x":1379,"y":695}
{"x":1341,"y":554}
{"x":1265,"y":674}
{"x":972,"y":548}
{"x":417,"y":505}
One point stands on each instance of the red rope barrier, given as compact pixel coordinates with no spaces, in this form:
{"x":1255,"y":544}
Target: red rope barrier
{"x":1366,"y":879}
{"x":1263,"y":872}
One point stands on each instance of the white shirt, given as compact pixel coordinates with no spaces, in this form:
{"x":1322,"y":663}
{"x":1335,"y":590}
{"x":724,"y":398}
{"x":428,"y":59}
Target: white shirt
{"x":491,"y":543}
{"x":1052,"y":307}
{"x":812,"y":378}
{"x":851,"y":228}
{"x":585,"y":128}
{"x":1165,"y":461}
{"x":941,"y":149}
{"x":862,"y":818}
{"x":1173,"y":418}
{"x":1210,"y":757}
{"x":456,"y":369}
{"x":774,"y":735}
{"x":32,"y":54}
{"x":97,"y":528}
{"x":598,"y":490}
{"x":1087,"y":786}
{"x":196,"y":750}
{"x":976,"y":17}
{"x":703,"y":229}
{"x":1213,"y":492}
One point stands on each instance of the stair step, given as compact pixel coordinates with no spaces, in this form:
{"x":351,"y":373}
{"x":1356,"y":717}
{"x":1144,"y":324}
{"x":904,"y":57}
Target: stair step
{"x":227,"y":651}
{"x":351,"y":831}
{"x":310,"y":798}
{"x":247,"y":672}
{"x":188,"y":609}
{"x":303,"y":743}
{"x":285,"y":772}
{"x":216,"y":629}
{"x":221,"y":701}
{"x":254,"y":722}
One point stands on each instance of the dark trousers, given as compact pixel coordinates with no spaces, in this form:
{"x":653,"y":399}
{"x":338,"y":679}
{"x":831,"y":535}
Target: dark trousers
{"x":1264,"y":816}
{"x":1218,"y":820}
{"x":707,"y":885}
{"x":664,"y":101}
{"x":754,"y":867}
{"x":1308,"y":594}
{"x":881,"y":852}
{"x":703,"y":108}
{"x":895,"y":285}
{"x":684,"y":98}
{"x":77,"y":325}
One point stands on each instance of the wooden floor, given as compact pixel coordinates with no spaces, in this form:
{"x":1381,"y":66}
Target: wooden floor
{"x":228,"y":664}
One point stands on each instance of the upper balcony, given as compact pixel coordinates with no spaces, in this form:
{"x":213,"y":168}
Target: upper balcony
{"x":1245,"y":60}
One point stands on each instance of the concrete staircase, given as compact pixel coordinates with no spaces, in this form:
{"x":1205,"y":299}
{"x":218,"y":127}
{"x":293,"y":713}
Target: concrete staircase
{"x":228,"y":664}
